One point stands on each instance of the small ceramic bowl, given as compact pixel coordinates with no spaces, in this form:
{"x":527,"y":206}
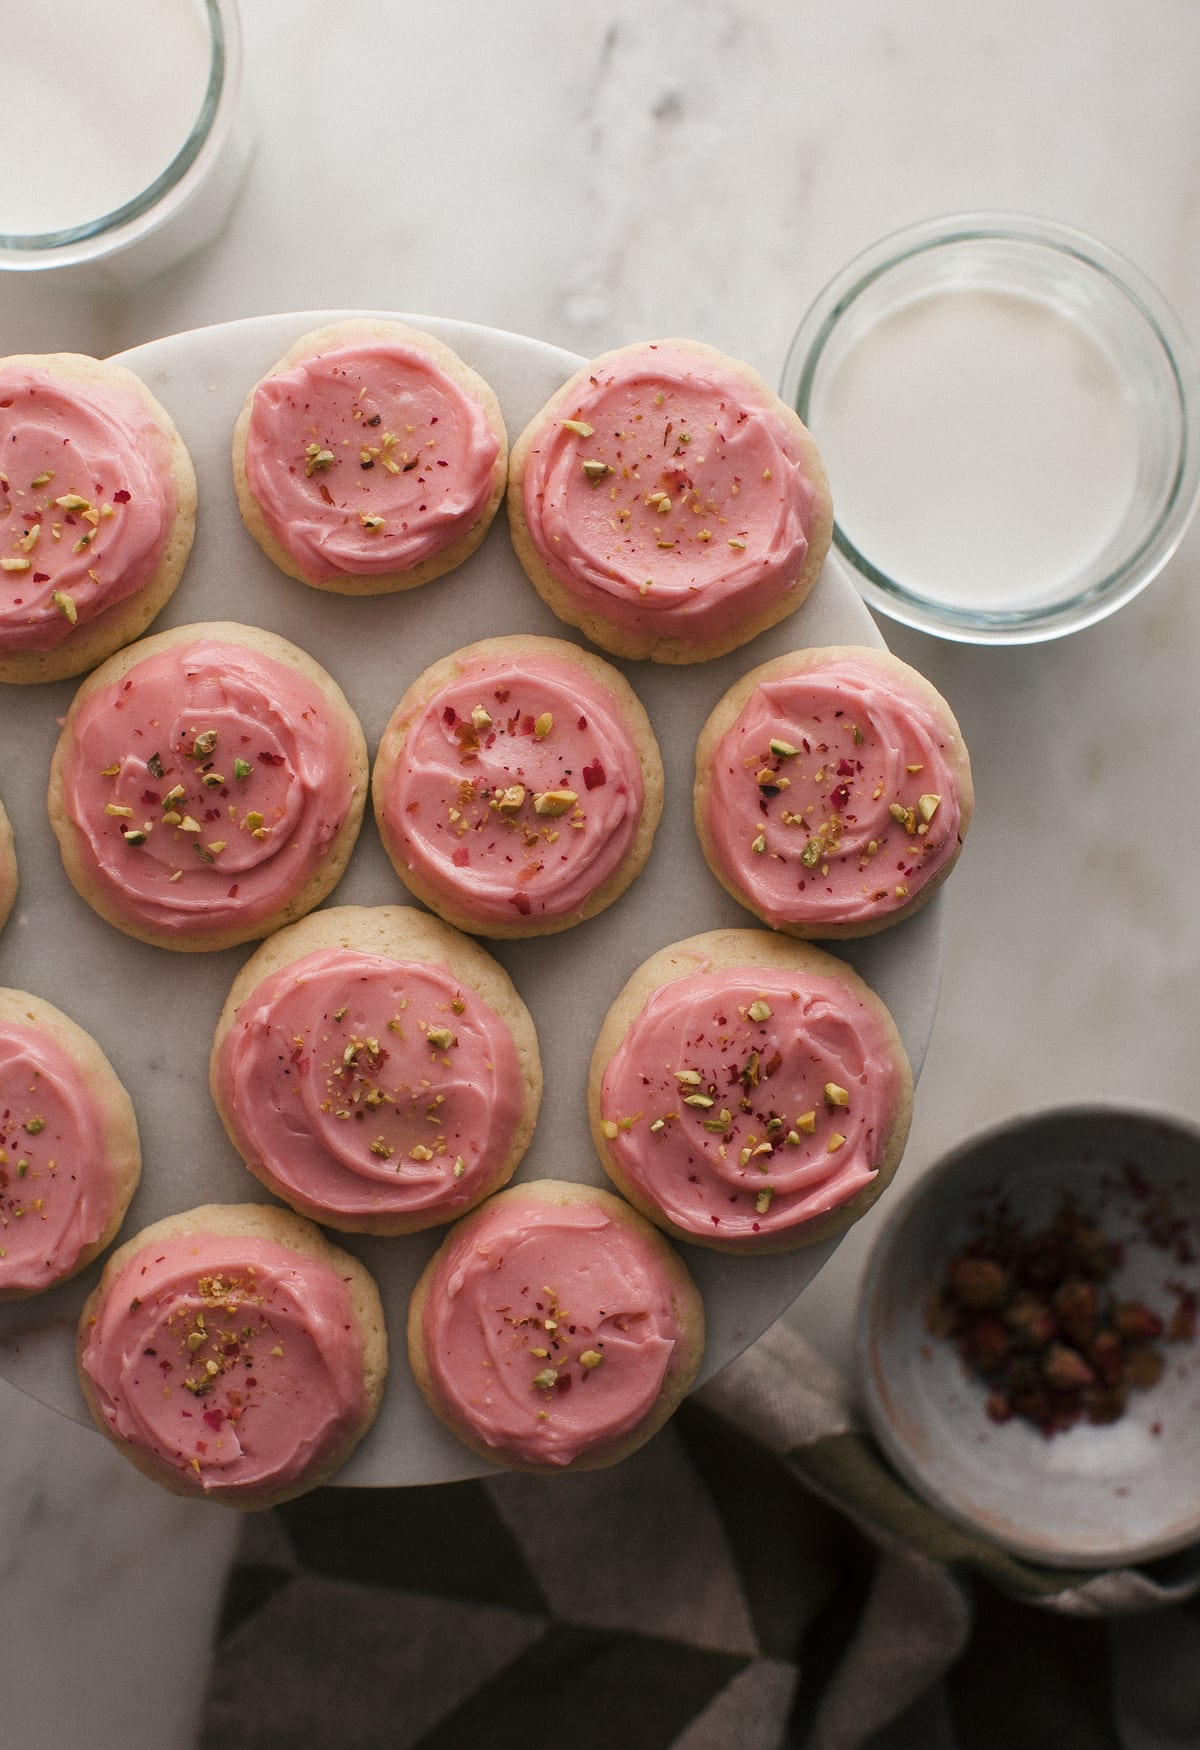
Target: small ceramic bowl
{"x":1007,"y":410}
{"x":1090,"y":1495}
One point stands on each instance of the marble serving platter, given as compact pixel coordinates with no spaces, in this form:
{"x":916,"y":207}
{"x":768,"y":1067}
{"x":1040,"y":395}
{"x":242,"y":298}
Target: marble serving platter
{"x":154,"y":1011}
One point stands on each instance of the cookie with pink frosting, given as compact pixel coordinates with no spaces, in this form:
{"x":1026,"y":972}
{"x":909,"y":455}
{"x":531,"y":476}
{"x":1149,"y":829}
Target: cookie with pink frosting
{"x":554,"y":1329}
{"x":371,"y":458}
{"x":518,"y":786}
{"x":8,"y":867}
{"x":376,"y":1069}
{"x":208,"y":786}
{"x":69,"y":1153}
{"x":749,"y":1093}
{"x":233,"y":1354}
{"x":833,"y":791}
{"x":97,"y":512}
{"x":668,"y":503}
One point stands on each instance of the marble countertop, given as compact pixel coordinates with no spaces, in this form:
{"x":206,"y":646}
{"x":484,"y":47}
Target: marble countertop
{"x":597,"y":176}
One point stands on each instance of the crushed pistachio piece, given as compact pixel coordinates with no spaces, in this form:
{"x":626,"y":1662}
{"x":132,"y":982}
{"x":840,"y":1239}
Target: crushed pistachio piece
{"x":546,"y":1379}
{"x":590,"y":1358}
{"x":759,"y":1010}
{"x":508,"y":801}
{"x":554,"y":801}
{"x":542,"y":727}
{"x":807,"y":1122}
{"x":608,"y":1127}
{"x":928,"y":805}
{"x":118,"y":808}
{"x":595,"y":470}
{"x":71,"y":501}
{"x":762,"y":1201}
{"x":318,"y":460}
{"x":690,"y":1076}
{"x":34,"y":1126}
{"x":702,"y":1100}
{"x":65,"y":605}
{"x":381,"y":1148}
{"x":204,"y":744}
{"x":460,"y":1166}
{"x":810,"y":856}
{"x":580,"y":427}
{"x":441,"y":1038}
{"x":135,"y":836}
{"x":836,"y":1095}
{"x":783,"y":750}
{"x":759,"y":844}
{"x":481,"y":717}
{"x":835,"y":1142}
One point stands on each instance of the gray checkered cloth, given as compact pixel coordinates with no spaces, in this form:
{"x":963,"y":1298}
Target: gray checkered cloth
{"x":756,"y":1578}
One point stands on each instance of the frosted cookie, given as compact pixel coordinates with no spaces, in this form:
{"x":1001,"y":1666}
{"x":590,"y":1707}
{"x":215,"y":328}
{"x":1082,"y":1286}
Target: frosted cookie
{"x":97,"y":512}
{"x":668,"y":503}
{"x":554,"y":1329}
{"x":371,"y":458}
{"x":207,"y":787}
{"x":749,"y":1093}
{"x":833,"y":791}
{"x":8,"y":867}
{"x":518,"y":786}
{"x":69,"y":1153}
{"x":232,"y":1352}
{"x":376,"y":1069}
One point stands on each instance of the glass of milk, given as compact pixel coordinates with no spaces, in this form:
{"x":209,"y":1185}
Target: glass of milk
{"x":1007,"y":414}
{"x":122,"y":133}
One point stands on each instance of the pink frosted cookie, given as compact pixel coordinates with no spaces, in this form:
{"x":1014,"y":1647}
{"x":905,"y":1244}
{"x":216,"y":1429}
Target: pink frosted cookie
{"x":833,"y":791}
{"x":369,"y":459}
{"x":233,"y":1353}
{"x":376,"y":1069}
{"x":749,"y":1093}
{"x":554,"y":1329}
{"x":208,"y":786}
{"x":518,"y":786}
{"x":97,"y":512}
{"x":69,"y":1155}
{"x":668,"y":503}
{"x":8,"y":867}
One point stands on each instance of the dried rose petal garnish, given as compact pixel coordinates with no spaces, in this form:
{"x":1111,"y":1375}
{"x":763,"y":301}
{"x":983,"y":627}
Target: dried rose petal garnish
{"x":1036,"y":1317}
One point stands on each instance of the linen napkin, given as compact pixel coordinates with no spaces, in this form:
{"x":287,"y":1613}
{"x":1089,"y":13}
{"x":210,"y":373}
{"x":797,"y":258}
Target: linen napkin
{"x":756,"y":1578}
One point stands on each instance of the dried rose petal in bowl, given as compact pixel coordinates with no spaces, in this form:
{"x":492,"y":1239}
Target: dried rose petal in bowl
{"x":1043,"y":1280}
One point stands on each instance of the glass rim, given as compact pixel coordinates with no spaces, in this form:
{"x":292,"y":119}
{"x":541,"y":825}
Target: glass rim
{"x":1137,"y":568}
{"x":122,"y":225}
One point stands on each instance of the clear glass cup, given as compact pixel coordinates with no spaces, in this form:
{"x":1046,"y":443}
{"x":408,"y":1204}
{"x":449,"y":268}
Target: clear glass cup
{"x":125,"y":136}
{"x":1007,"y":411}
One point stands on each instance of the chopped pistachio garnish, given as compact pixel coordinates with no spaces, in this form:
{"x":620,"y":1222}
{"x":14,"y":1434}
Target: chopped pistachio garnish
{"x":65,"y":605}
{"x":580,"y":427}
{"x":737,"y":544}
{"x":204,"y":744}
{"x":927,"y":806}
{"x":590,"y":1358}
{"x":135,"y":836}
{"x":759,"y":1010}
{"x":762,"y":1201}
{"x":460,"y":1166}
{"x":242,"y":769}
{"x":759,"y":844}
{"x":15,"y":564}
{"x":542,"y":727}
{"x":595,"y":470}
{"x":113,"y":771}
{"x":810,"y":856}
{"x":441,"y":1038}
{"x":118,"y":808}
{"x":481,"y":717}
{"x":175,"y":794}
{"x":702,"y":1100}
{"x":318,"y":459}
{"x":212,"y":780}
{"x":253,"y":821}
{"x":508,"y":801}
{"x":835,"y":1095}
{"x":807,"y":1122}
{"x":608,"y":1127}
{"x":547,"y":1379}
{"x":835,"y":1142}
{"x":783,"y":750}
{"x":187,"y":824}
{"x":34,"y":1126}
{"x":380,"y":1147}
{"x":370,"y":520}
{"x":44,"y":478}
{"x":554,"y":801}
{"x":71,"y":501}
{"x":692,"y":1077}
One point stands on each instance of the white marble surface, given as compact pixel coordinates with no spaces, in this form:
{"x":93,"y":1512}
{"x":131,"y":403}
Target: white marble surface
{"x":598,"y":175}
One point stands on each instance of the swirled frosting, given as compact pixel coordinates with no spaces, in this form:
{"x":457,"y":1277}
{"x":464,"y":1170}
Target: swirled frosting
{"x":57,"y":1182}
{"x":87,"y":500}
{"x":832,"y":800}
{"x":667,"y":499}
{"x":232,"y":1361}
{"x":367,"y":459}
{"x":371,"y":1086}
{"x":744,"y":1103}
{"x":206,"y":786}
{"x":517,"y":792}
{"x":549,"y":1329}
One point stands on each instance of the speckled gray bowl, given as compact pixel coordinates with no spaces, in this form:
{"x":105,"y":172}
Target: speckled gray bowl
{"x":1091,"y":1496}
